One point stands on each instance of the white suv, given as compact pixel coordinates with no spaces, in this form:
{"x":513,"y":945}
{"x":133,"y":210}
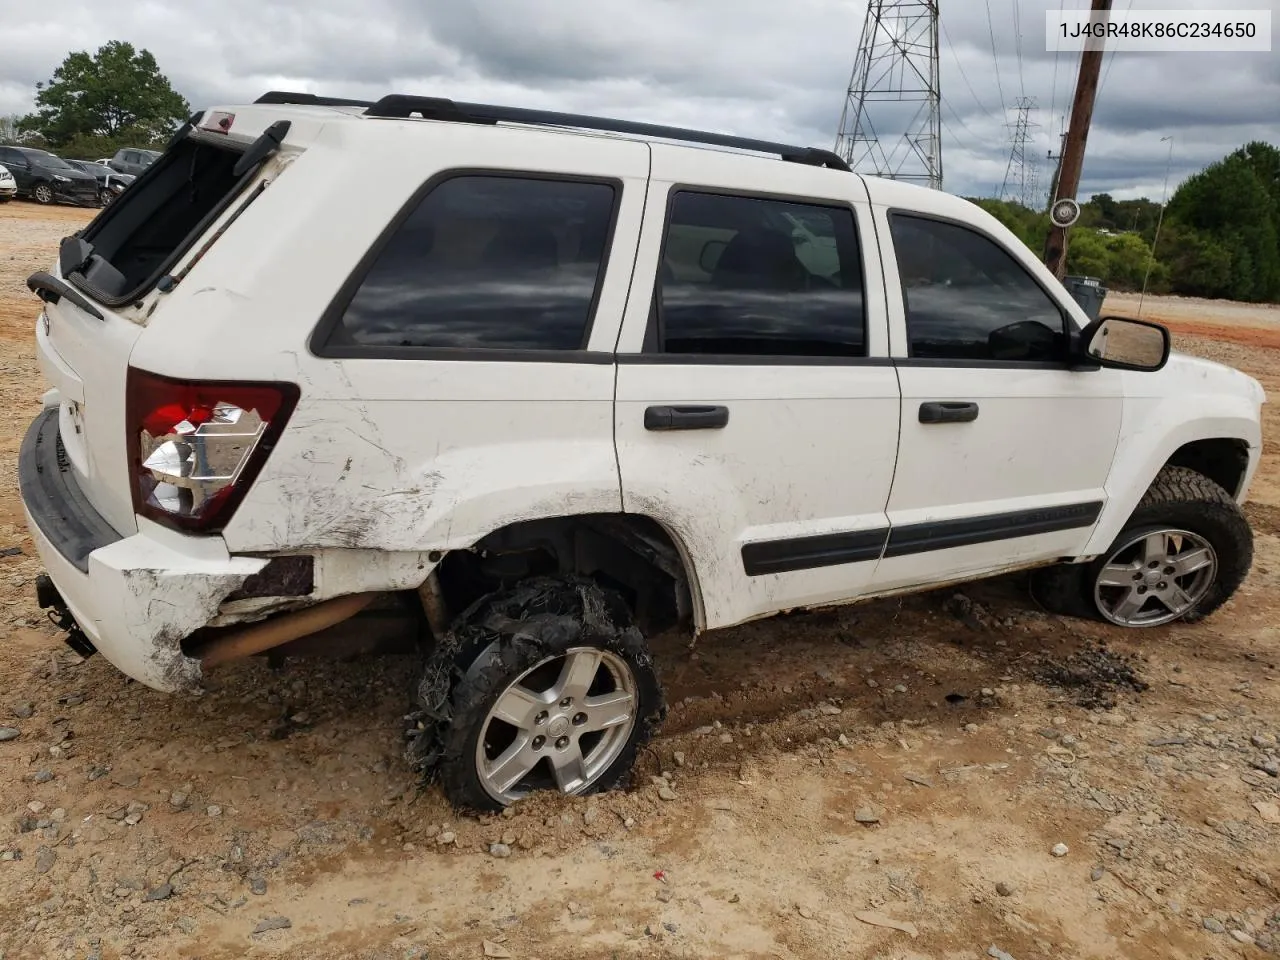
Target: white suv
{"x":550,"y":383}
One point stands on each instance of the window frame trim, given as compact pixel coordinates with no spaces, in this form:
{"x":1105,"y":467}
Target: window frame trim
{"x":331,"y":317}
{"x":957,"y":362}
{"x":654,"y":327}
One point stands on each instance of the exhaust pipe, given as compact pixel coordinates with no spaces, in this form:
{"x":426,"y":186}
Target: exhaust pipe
{"x":280,"y":630}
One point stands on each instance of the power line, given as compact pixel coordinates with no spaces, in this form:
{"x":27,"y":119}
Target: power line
{"x":996,"y":57}
{"x":1017,"y":32}
{"x":960,"y":120}
{"x":1106,"y":72}
{"x":1053,"y":98}
{"x":963,"y":76}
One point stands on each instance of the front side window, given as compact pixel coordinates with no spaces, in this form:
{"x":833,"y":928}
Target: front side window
{"x":487,"y":262}
{"x":968,"y":299}
{"x":745,"y":275}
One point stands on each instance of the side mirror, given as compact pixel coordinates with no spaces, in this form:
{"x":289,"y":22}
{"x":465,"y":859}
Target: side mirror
{"x":1127,"y":344}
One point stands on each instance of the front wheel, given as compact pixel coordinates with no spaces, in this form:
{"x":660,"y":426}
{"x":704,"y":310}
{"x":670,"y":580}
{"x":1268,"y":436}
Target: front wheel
{"x":1182,"y":555}
{"x":546,"y":686}
{"x":42,"y":193}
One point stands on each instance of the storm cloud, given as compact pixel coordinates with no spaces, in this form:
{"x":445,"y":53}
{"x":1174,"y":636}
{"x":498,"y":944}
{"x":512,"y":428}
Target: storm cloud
{"x":753,"y":67}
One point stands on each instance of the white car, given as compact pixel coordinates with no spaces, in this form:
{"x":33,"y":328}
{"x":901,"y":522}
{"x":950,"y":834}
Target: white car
{"x":549,"y":384}
{"x":8,"y":185}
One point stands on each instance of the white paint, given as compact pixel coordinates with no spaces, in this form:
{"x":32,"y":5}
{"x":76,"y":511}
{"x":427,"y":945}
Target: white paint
{"x":385,"y":461}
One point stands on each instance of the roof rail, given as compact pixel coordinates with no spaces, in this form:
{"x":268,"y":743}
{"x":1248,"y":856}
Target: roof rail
{"x":309,"y":100}
{"x":437,"y":108}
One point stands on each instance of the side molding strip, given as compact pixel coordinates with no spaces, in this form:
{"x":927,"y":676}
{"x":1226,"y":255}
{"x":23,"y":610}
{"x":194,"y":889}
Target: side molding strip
{"x":945,"y":534}
{"x":805,"y":553}
{"x":825,"y":550}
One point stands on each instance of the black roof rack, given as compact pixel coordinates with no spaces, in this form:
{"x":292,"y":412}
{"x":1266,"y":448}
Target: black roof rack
{"x":310,"y":100}
{"x":399,"y":105}
{"x":436,"y":108}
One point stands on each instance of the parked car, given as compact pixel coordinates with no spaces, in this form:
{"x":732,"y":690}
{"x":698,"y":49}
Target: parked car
{"x":45,"y":178}
{"x":133,"y":160}
{"x":530,"y":395}
{"x":110,"y":183}
{"x":8,"y":185}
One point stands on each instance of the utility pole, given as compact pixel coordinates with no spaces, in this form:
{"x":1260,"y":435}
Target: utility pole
{"x":1055,"y":250}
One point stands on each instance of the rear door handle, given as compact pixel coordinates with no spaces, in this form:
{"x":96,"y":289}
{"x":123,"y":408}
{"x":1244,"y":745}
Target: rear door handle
{"x":685,"y":418}
{"x":936,"y":412}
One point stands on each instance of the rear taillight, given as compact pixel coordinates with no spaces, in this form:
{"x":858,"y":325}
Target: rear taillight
{"x":196,"y":446}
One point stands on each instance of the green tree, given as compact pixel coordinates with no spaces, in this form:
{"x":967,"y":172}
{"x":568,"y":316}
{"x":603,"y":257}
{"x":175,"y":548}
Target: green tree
{"x":116,"y":95}
{"x":1230,"y":204}
{"x":1196,"y":264}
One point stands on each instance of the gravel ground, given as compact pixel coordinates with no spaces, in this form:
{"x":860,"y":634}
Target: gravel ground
{"x":952,"y":775}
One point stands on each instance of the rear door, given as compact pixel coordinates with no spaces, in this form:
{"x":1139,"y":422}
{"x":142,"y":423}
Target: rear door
{"x":757,"y":410}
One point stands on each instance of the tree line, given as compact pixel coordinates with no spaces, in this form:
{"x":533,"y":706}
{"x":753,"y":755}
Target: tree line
{"x":1220,"y":237}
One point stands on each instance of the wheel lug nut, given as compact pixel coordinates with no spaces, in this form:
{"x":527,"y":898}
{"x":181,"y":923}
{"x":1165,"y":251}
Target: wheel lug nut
{"x":579,"y":719}
{"x":541,"y":718}
{"x":538,"y":742}
{"x":1153,"y":564}
{"x":1168,"y":570}
{"x":562,"y":743}
{"x":1137,"y":576}
{"x":567,"y":702}
{"x":1162,"y":585}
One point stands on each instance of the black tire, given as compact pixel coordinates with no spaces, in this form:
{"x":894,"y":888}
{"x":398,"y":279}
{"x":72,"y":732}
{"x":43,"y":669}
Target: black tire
{"x":42,"y":193}
{"x":1178,"y":497}
{"x":495,"y":642}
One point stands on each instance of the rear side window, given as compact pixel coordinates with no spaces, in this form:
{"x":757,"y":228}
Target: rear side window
{"x":967,"y":298}
{"x":491,"y":262}
{"x":140,"y":235}
{"x":749,"y":276}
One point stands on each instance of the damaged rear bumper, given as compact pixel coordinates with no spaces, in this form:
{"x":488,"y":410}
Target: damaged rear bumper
{"x":134,"y":598}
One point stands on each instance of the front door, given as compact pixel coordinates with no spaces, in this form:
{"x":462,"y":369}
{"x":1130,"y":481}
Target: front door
{"x":757,"y":408}
{"x":1004,"y":450}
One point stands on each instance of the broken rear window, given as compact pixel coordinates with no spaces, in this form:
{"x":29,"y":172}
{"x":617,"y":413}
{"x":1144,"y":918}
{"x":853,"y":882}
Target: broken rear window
{"x":139,"y":237}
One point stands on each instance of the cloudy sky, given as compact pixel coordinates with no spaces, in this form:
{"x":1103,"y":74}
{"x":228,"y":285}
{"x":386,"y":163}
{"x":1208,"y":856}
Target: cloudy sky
{"x":764,"y":68}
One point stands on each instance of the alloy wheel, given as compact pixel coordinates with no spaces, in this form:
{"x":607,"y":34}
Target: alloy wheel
{"x":1155,"y":577}
{"x":560,"y":725}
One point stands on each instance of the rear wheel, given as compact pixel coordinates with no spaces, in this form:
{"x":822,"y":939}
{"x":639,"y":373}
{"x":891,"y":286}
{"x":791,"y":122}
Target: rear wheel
{"x":546,"y":686}
{"x":42,"y":193}
{"x":1182,"y":555}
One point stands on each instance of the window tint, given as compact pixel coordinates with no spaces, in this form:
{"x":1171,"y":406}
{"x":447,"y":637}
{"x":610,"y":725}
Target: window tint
{"x":969,"y":299}
{"x":742,"y":275}
{"x":487,"y":262}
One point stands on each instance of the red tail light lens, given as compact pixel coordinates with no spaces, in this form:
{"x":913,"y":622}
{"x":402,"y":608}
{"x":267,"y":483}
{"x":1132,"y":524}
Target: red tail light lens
{"x":195,"y":447}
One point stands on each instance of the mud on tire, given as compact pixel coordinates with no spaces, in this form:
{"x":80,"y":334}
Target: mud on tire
{"x":1178,"y":497}
{"x":494,"y":642}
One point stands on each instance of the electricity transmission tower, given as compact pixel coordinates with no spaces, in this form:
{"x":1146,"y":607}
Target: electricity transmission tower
{"x":895,"y":87}
{"x":1020,"y":173}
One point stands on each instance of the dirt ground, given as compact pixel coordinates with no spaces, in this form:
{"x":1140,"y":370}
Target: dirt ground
{"x":911,"y":761}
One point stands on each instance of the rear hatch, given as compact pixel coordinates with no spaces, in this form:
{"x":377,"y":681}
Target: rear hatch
{"x":102,"y":290}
